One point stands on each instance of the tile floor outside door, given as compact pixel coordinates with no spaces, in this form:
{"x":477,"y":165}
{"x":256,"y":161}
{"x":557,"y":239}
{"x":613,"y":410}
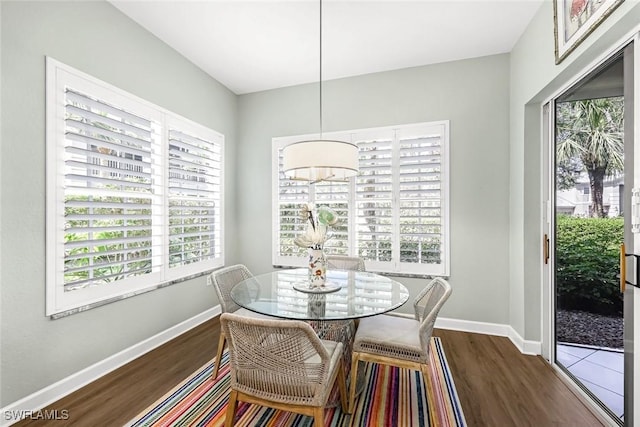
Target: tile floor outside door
{"x":600,"y":370}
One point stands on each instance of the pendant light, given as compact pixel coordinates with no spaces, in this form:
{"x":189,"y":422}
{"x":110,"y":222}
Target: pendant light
{"x":320,"y":159}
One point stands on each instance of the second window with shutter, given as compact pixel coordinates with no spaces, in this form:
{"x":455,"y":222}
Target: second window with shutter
{"x":394,"y":214}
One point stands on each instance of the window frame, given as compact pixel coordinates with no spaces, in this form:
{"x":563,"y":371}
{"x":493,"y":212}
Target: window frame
{"x":394,"y":267}
{"x":59,"y":302}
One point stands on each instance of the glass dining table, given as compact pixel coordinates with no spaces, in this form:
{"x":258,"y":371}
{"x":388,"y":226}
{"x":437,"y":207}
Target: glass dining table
{"x":331,"y":312}
{"x":359,"y":294}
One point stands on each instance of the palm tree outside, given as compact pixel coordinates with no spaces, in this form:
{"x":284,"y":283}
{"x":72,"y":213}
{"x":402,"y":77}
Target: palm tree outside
{"x":590,"y":134}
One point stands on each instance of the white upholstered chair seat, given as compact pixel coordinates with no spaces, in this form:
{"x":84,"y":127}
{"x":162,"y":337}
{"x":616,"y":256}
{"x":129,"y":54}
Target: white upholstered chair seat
{"x":331,"y":347}
{"x":390,"y":336}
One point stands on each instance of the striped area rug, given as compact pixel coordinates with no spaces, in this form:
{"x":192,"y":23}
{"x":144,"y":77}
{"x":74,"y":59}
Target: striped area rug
{"x":392,"y":397}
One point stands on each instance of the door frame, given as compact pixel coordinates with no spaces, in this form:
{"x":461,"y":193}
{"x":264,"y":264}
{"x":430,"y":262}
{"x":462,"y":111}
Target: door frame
{"x":632,"y":392}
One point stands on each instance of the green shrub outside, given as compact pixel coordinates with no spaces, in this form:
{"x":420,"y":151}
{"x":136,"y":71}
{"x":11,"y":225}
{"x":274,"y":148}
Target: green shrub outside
{"x":587,"y":264}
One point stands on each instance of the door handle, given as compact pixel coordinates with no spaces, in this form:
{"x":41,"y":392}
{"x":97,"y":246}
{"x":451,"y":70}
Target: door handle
{"x":545,"y":248}
{"x":623,"y":268}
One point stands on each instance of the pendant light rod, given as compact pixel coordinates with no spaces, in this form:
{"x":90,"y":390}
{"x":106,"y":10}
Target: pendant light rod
{"x":320,"y":69}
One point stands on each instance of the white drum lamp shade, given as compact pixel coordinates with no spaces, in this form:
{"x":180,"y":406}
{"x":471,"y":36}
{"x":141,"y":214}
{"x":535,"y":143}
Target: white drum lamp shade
{"x":320,"y":160}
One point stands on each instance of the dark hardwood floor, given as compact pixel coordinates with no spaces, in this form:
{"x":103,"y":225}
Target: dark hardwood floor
{"x":497,"y":385}
{"x":119,"y":396}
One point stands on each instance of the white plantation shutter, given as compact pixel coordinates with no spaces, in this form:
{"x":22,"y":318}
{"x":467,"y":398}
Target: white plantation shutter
{"x":194,"y":196}
{"x":292,"y":195}
{"x":108,"y":193}
{"x":133,"y":193}
{"x":421,"y":200}
{"x":374,"y":201}
{"x":394,"y":213}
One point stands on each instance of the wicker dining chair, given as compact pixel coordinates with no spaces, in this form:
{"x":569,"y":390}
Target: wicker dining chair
{"x":223,"y":280}
{"x":342,"y":262}
{"x":281,"y":364}
{"x":400,"y":341}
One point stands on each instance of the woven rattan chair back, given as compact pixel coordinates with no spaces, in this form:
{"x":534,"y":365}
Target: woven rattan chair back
{"x":341,"y":262}
{"x":426,"y":307}
{"x":281,"y":364}
{"x":223,"y":280}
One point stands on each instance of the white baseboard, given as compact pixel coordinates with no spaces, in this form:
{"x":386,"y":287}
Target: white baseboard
{"x":40,"y":399}
{"x":533,"y":348}
{"x":498,"y":329}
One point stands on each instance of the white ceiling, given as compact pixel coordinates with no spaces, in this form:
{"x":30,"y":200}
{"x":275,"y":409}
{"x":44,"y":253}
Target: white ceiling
{"x":257,"y":45}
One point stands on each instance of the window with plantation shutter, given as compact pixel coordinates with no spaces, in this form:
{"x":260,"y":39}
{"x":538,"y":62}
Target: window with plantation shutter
{"x":108,"y":193}
{"x":421,"y":200}
{"x":393,"y":214}
{"x":133,"y":193}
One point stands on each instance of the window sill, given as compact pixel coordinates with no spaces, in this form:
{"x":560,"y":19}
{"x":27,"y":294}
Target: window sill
{"x":128,"y":295}
{"x":386,"y":273}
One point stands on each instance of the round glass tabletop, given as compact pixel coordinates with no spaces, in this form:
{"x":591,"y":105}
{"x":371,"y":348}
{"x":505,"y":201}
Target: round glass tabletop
{"x":360,"y":294}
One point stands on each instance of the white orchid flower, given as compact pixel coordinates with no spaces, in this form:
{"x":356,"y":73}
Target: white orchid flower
{"x":316,"y":231}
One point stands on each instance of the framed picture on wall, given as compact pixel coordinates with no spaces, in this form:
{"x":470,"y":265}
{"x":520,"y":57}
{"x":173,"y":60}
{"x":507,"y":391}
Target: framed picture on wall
{"x":574,"y":20}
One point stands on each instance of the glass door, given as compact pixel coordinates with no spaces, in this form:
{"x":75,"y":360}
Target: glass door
{"x":592,"y":165}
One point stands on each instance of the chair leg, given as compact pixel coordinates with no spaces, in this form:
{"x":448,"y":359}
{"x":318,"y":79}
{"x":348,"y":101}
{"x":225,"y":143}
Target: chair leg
{"x":355,"y":359}
{"x":342,"y":387}
{"x":231,"y":409}
{"x":426,"y":376}
{"x":216,"y":365}
{"x":318,"y":416}
{"x":428,"y":392}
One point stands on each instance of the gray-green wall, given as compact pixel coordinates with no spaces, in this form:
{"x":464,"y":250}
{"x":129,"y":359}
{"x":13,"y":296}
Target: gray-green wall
{"x":96,"y":38}
{"x":473,"y":94}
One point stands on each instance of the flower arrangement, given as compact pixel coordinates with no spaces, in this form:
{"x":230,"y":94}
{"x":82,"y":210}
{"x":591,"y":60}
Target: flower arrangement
{"x":314,"y":239}
{"x":316,"y":233}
